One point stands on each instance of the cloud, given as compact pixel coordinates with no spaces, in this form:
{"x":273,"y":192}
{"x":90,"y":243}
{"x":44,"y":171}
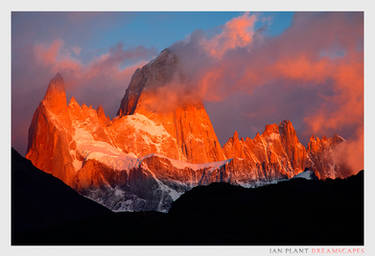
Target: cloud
{"x":238,"y":32}
{"x":351,"y":154}
{"x":111,"y":69}
{"x":76,"y":50}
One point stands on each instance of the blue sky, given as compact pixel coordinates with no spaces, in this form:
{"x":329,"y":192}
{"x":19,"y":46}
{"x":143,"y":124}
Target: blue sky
{"x":95,"y":33}
{"x":160,"y":30}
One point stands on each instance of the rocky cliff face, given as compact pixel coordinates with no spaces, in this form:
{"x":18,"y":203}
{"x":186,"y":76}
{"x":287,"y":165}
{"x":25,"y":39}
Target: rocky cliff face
{"x":50,"y":132}
{"x":276,"y":153}
{"x":129,"y":163}
{"x":159,"y":146}
{"x":184,"y":118}
{"x":323,"y":158}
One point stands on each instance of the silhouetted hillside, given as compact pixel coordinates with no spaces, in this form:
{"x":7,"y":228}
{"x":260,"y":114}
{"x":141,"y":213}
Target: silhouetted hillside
{"x":41,"y":201}
{"x":295,"y":212}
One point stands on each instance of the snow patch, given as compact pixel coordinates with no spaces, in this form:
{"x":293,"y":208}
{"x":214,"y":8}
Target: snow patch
{"x":274,"y":136}
{"x":142,"y":123}
{"x":178,"y":164}
{"x":191,"y":137}
{"x":101,"y":151}
{"x":118,"y":162}
{"x":308,"y":175}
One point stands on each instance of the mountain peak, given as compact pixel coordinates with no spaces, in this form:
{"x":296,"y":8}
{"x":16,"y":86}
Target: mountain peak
{"x":285,"y":124}
{"x":73,"y":102}
{"x":100,"y":112}
{"x":100,"y":109}
{"x":271,"y":128}
{"x":58,"y":78}
{"x":155,"y":74}
{"x":235,"y":135}
{"x":287,"y":131}
{"x":337,"y":138}
{"x":56,"y":84}
{"x":55,"y":95}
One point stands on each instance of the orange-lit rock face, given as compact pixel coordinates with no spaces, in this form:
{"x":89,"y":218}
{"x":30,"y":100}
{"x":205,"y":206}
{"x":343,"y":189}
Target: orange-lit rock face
{"x":47,"y":147}
{"x":88,"y":151}
{"x":160,"y":145}
{"x":322,"y":155}
{"x":184,"y":118}
{"x":277,"y":152}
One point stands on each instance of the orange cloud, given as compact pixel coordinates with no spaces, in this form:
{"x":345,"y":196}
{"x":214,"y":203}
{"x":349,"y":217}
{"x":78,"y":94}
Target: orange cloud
{"x":351,"y":153}
{"x":238,"y":32}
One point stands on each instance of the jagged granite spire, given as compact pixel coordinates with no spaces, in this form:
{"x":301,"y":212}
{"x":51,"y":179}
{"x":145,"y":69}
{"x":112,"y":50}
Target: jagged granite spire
{"x":157,"y":72}
{"x":55,"y":96}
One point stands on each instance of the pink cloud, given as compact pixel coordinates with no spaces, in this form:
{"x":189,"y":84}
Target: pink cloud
{"x":76,"y":50}
{"x":238,"y":32}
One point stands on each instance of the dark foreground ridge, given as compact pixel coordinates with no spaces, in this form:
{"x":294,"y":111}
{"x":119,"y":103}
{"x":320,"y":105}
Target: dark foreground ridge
{"x":45,"y":211}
